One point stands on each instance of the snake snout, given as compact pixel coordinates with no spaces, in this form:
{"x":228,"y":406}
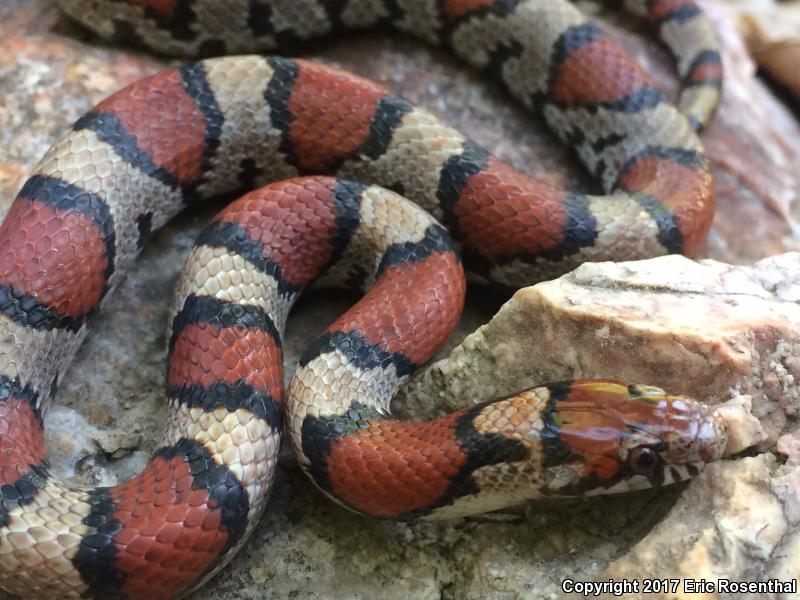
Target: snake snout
{"x":712,"y":435}
{"x":696,"y":433}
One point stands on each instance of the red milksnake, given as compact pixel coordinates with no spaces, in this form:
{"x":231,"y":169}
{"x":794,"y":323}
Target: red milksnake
{"x":231,"y":124}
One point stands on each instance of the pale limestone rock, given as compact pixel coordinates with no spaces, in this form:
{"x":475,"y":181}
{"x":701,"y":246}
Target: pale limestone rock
{"x":725,"y":334}
{"x":744,"y":429}
{"x":89,"y":455}
{"x":786,"y":484}
{"x":728,"y":525}
{"x":789,"y":446}
{"x":772,"y":32}
{"x":708,"y":329}
{"x":780,"y":275}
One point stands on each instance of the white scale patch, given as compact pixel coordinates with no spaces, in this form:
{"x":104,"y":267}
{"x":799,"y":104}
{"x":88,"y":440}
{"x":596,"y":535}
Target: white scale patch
{"x":692,"y":37}
{"x":227,"y":21}
{"x":536,"y":26}
{"x":230,"y":278}
{"x":306,"y":18}
{"x":502,"y":485}
{"x":329,"y":384}
{"x":42,"y":538}
{"x":100,"y":17}
{"x":625,"y":231}
{"x":420,"y":19}
{"x":699,"y":102}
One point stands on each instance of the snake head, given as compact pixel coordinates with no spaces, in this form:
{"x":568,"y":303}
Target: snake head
{"x":603,"y":436}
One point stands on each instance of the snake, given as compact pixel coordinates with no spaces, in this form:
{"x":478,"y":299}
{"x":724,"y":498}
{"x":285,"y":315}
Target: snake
{"x":341,"y":183}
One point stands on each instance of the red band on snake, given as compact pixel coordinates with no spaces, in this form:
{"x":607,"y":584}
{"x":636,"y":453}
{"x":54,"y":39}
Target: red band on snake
{"x":230,"y":124}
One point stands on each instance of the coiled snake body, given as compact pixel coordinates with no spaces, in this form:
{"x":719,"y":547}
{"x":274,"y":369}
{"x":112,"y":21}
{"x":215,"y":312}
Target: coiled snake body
{"x":229,"y":124}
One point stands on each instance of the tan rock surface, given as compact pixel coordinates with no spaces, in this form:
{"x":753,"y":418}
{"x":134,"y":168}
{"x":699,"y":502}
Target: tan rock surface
{"x":705,"y":329}
{"x":709,"y":330}
{"x":730,"y":525}
{"x":772,"y":32}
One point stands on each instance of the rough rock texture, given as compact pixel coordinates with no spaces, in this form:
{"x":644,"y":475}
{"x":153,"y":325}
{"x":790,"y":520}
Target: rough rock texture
{"x":710,"y":330}
{"x":772,"y":32}
{"x":111,"y":405}
{"x":706,"y":329}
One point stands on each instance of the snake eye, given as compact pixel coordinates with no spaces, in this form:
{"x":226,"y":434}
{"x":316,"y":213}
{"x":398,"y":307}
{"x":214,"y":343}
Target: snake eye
{"x":643,"y":460}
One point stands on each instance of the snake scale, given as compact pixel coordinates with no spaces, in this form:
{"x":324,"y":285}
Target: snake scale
{"x":327,"y":140}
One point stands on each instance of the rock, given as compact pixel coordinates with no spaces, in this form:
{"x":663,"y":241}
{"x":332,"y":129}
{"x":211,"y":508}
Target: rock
{"x":85,"y":453}
{"x":71,"y":441}
{"x":772,"y":32}
{"x":780,"y":276}
{"x":728,"y":526}
{"x":789,"y":446}
{"x":704,"y":329}
{"x":718,"y":332}
{"x":118,"y":444}
{"x":744,"y":428}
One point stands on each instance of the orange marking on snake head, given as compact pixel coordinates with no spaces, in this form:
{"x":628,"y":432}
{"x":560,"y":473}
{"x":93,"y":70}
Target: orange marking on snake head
{"x":332,"y":114}
{"x":167,"y":123}
{"x":57,"y":256}
{"x":21,"y":440}
{"x":170,"y":533}
{"x":598,"y":71}
{"x":590,"y":433}
{"x":610,"y":426}
{"x":503,"y":212}
{"x":392,"y":468}
{"x":687,"y":190}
